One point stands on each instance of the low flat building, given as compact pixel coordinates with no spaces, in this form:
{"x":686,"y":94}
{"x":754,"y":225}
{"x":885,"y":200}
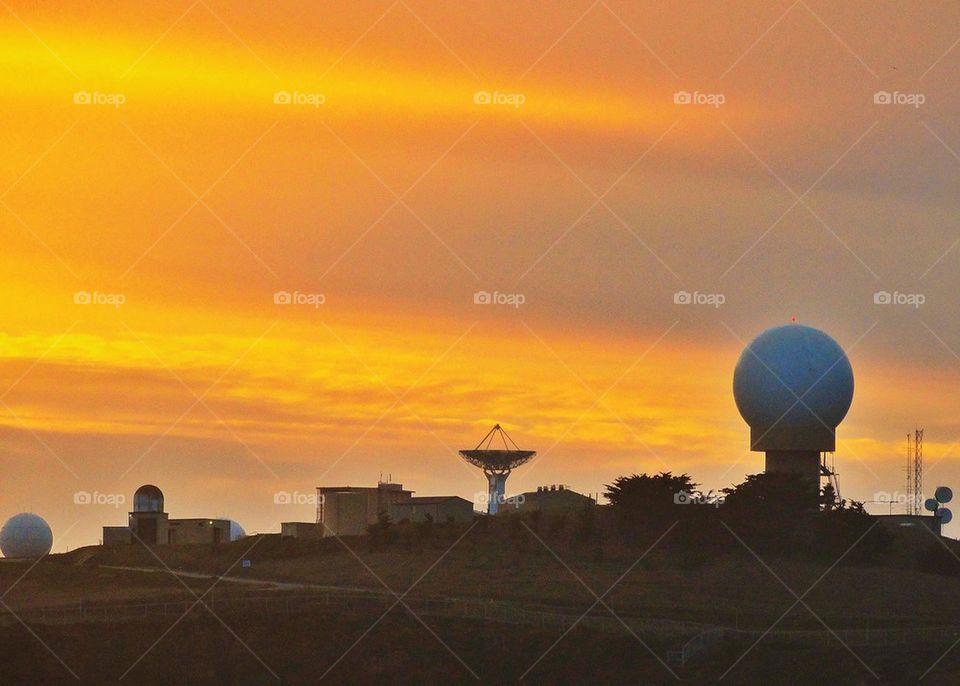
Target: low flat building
{"x":553,"y":498}
{"x":349,"y":510}
{"x":198,"y":530}
{"x":438,"y":508}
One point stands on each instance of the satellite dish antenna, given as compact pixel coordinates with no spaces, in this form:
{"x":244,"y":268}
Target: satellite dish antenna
{"x":943,"y":494}
{"x":945,"y":515}
{"x":496,"y":463}
{"x":931,"y":505}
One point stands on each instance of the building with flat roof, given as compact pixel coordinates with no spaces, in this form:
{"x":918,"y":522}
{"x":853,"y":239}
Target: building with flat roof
{"x":552,"y":498}
{"x":349,"y":510}
{"x":436,"y":508}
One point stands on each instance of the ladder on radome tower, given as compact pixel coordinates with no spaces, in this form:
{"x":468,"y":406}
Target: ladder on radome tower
{"x":830,"y":474}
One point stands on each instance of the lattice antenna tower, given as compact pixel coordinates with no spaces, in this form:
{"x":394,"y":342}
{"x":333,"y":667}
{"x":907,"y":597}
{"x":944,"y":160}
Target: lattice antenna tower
{"x":911,"y":500}
{"x":918,"y":469}
{"x":915,"y":472}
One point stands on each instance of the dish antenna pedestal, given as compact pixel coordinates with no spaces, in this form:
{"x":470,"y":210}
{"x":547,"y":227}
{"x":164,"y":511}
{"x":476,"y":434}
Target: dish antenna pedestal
{"x":496,"y":463}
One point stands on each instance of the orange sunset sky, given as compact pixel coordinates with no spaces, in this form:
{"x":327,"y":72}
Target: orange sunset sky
{"x":150,"y":157}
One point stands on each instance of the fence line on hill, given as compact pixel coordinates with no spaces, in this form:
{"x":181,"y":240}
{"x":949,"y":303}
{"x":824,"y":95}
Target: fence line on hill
{"x":701,"y":637}
{"x":544,"y":616}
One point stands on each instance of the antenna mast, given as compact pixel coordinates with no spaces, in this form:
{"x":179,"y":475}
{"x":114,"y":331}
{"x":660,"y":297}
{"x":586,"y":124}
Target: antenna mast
{"x":911,"y":500}
{"x":917,"y":470}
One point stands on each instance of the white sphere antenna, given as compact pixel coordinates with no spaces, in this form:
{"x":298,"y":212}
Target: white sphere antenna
{"x":26,"y":535}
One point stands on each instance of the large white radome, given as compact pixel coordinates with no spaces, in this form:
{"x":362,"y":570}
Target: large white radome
{"x":788,"y":362}
{"x":25,"y":535}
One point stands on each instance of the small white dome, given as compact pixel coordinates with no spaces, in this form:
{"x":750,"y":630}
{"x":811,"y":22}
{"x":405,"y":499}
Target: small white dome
{"x":236,"y":531}
{"x":790,"y":362}
{"x":25,"y":535}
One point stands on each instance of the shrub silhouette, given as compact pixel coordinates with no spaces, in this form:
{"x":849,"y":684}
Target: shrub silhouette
{"x":773,"y":513}
{"x":642,"y":502}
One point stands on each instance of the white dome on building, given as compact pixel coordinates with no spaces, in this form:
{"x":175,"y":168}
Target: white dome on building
{"x":236,"y":531}
{"x":790,"y":362}
{"x":25,"y":535}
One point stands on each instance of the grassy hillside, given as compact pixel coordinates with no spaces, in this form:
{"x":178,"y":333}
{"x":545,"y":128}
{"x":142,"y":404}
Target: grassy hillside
{"x":909,"y":582}
{"x":905,"y":579}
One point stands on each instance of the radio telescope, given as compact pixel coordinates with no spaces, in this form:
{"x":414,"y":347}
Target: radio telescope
{"x":496,"y":463}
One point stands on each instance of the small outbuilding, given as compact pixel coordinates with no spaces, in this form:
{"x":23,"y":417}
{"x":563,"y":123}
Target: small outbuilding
{"x":307,"y":531}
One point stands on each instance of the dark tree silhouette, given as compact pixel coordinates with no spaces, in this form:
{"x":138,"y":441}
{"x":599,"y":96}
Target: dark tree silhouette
{"x":642,"y":501}
{"x":772,"y":512}
{"x":778,"y":495}
{"x":828,"y":498}
{"x":779,"y":513}
{"x":643,"y":490}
